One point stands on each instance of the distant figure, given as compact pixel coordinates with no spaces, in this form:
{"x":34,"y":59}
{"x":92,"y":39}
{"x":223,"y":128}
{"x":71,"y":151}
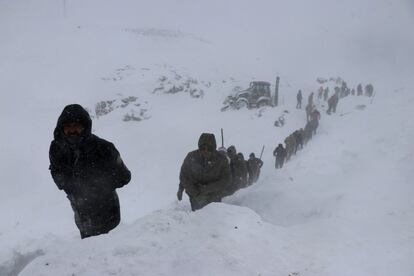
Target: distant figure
{"x":290,"y":142}
{"x":359,"y":90}
{"x":254,"y":165}
{"x":299,"y":139}
{"x":205,"y":174}
{"x":88,"y":169}
{"x":243,"y":172}
{"x":369,"y":90}
{"x":280,"y":154}
{"x":315,"y":117}
{"x":344,"y":90}
{"x":238,"y":170}
{"x":299,"y":100}
{"x":353,"y":92}
{"x":332,"y":103}
{"x":308,"y":131}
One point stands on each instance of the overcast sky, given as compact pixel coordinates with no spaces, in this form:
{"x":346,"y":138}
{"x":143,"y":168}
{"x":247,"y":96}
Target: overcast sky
{"x":369,"y":38}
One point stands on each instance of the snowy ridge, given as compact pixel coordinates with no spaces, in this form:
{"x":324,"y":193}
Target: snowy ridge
{"x":215,"y":241}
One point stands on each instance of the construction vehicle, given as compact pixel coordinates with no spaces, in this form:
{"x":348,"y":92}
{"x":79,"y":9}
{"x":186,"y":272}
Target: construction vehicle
{"x":257,"y":95}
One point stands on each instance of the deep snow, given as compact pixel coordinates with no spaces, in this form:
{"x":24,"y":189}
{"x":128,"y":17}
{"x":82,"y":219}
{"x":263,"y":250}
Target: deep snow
{"x":342,"y":206}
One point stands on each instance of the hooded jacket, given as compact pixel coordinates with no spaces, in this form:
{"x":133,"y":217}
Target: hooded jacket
{"x":279,"y":152}
{"x":89,"y":172}
{"x":253,"y":166}
{"x":204,"y":177}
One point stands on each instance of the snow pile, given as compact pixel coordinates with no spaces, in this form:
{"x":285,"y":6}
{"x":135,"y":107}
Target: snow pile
{"x":219,"y":240}
{"x":346,"y":198}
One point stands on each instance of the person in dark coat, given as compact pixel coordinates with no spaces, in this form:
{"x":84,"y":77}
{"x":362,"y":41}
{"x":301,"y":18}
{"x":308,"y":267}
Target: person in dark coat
{"x":315,"y":117}
{"x":369,"y":90}
{"x":290,"y":143}
{"x":205,"y":174}
{"x":299,"y":139}
{"x":88,"y":169}
{"x":254,"y":165}
{"x":309,"y":109}
{"x":241,"y":176}
{"x":359,"y":90}
{"x":332,"y":103}
{"x":280,"y":154}
{"x":299,"y":99}
{"x":238,"y":169}
{"x":308,"y":131}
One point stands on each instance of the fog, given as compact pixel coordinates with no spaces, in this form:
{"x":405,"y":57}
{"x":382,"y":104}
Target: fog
{"x":341,"y":206}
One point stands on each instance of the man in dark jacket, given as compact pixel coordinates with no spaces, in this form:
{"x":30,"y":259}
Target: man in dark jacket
{"x":280,"y":154}
{"x":205,"y":174}
{"x":88,"y":169}
{"x":254,"y":165}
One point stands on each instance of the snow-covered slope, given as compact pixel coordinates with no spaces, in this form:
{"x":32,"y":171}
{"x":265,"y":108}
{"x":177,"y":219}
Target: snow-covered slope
{"x":340,"y":207}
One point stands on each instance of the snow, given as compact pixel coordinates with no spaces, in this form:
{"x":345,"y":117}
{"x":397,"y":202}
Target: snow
{"x":174,"y":242}
{"x":341,"y":206}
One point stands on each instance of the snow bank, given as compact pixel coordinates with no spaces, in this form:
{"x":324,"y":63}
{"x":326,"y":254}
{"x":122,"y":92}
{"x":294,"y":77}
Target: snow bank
{"x":217,"y":240}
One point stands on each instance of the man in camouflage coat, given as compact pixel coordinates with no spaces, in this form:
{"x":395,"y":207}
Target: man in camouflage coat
{"x":205,"y":174}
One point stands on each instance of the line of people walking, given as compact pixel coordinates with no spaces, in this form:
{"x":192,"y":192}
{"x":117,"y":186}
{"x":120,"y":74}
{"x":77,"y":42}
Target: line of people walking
{"x":90,"y":169}
{"x":208,"y":174}
{"x":297,"y":139}
{"x":339,"y":92}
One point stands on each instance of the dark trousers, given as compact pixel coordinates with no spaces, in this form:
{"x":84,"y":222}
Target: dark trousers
{"x":279,"y":163}
{"x":332,"y":108}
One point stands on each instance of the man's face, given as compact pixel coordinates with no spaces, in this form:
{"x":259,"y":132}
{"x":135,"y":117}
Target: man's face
{"x":70,"y":129}
{"x":206,"y":150}
{"x":73,"y":132}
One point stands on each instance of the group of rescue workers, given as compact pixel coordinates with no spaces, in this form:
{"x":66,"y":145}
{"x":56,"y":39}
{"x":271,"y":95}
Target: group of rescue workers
{"x":297,"y":139}
{"x":207,"y":174}
{"x":339,"y":92}
{"x":90,"y":169}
